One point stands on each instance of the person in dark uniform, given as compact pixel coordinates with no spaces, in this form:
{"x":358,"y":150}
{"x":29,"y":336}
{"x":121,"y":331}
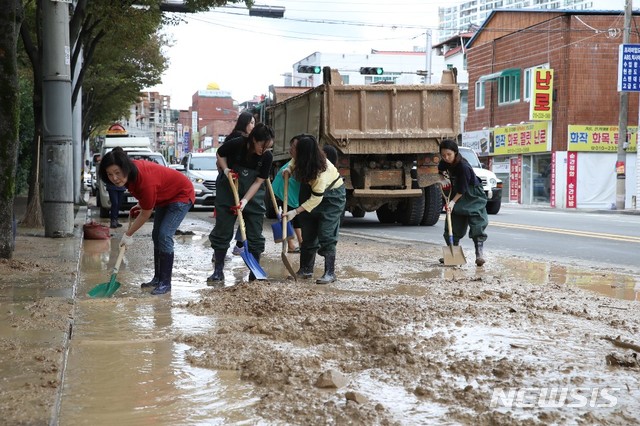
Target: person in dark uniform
{"x":322,"y":199}
{"x":244,"y":125}
{"x":249,"y":158}
{"x":468,"y":203}
{"x":115,"y":197}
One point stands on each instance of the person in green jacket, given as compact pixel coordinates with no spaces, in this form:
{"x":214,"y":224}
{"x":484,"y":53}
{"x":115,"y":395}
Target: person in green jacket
{"x":468,"y":203}
{"x":322,"y":200}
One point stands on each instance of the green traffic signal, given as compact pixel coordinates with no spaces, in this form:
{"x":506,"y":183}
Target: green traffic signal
{"x":309,"y":69}
{"x":371,"y":70}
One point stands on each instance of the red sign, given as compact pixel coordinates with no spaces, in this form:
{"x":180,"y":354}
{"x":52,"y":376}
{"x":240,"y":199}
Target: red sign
{"x":515,"y":178}
{"x":572,"y":179}
{"x":553,"y":179}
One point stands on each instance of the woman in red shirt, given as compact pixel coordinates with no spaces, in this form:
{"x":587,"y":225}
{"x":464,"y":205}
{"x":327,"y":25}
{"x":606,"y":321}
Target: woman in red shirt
{"x":157,"y":187}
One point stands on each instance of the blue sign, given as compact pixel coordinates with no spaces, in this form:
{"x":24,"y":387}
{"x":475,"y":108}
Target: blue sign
{"x":629,"y":68}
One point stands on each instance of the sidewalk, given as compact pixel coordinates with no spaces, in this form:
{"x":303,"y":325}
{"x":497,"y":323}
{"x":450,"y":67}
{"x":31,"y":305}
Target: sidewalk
{"x":37,"y":293}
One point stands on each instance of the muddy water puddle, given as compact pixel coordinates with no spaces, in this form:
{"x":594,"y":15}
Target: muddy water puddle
{"x":126,"y":366}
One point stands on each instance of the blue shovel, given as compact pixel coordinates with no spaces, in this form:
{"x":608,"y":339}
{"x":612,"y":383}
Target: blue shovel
{"x":248,"y":258}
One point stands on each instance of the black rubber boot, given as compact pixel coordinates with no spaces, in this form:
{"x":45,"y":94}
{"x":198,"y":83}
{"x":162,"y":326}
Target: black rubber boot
{"x":156,"y":270}
{"x":166,"y":270}
{"x":307,"y":262}
{"x":455,"y":243}
{"x":329,"y":270}
{"x":218,"y":274}
{"x":479,"y":254}
{"x":252,"y":277}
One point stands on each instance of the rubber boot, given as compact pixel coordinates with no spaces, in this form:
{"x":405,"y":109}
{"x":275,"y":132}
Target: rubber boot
{"x":252,"y":277}
{"x":329,"y":270}
{"x":218,"y":274}
{"x":307,"y":262}
{"x":156,"y":270}
{"x":455,"y":243}
{"x":115,"y":224}
{"x":166,"y":270}
{"x":479,"y":254}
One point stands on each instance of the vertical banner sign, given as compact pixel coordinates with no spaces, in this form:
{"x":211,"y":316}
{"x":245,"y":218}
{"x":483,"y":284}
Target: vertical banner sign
{"x":629,"y":68}
{"x":553,"y":179}
{"x":540,"y":106}
{"x":572,"y":179}
{"x":515,"y":178}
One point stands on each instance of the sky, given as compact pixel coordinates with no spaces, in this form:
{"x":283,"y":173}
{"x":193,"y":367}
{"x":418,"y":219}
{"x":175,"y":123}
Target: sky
{"x":244,"y":55}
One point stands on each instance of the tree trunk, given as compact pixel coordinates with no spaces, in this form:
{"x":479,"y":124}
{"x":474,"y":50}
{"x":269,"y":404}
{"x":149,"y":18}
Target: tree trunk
{"x":10,"y":20}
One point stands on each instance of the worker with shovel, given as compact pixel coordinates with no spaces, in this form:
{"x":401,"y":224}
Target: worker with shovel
{"x":157,"y":187}
{"x":246,"y":160}
{"x":467,"y":207}
{"x":322,"y":199}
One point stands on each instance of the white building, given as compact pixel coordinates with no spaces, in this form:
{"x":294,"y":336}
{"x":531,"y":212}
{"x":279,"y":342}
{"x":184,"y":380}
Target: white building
{"x":459,"y":17}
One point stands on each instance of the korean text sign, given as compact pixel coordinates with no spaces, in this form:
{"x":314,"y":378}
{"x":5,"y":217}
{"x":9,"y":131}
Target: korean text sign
{"x":522,"y":138}
{"x":599,"y":138}
{"x":540,"y":106}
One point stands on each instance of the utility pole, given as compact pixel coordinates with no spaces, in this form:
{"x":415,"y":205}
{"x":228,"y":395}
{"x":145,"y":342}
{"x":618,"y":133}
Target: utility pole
{"x":622,"y":122}
{"x":428,"y":50}
{"x":57,"y":127}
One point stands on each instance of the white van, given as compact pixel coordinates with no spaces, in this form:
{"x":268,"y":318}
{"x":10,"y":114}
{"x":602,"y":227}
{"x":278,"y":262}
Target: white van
{"x":491,"y":184}
{"x":138,"y":143}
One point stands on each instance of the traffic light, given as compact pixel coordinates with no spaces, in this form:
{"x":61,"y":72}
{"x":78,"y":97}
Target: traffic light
{"x":371,"y":70}
{"x":309,"y":69}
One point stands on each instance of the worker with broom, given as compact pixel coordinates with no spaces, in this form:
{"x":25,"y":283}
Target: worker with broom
{"x":247,"y":160}
{"x":157,"y":187}
{"x":322,"y":199}
{"x":468,"y":203}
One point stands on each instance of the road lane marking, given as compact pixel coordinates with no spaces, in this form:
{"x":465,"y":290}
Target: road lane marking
{"x":614,"y":237}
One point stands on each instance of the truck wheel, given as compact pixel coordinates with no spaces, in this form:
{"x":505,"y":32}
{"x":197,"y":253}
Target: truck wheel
{"x":432,"y":205}
{"x":412,"y":211}
{"x":357,"y":212}
{"x":104,"y":213}
{"x":385,"y":214}
{"x":493,"y":207}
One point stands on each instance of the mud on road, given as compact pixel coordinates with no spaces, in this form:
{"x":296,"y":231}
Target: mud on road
{"x":397,"y":340}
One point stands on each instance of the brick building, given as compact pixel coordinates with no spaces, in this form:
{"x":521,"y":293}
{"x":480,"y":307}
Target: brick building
{"x":537,"y":155}
{"x":213,"y":117}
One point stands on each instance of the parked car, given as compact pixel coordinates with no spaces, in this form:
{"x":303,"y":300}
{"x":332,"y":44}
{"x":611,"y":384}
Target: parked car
{"x":201,"y":169}
{"x":128,"y":200}
{"x":491,"y":184}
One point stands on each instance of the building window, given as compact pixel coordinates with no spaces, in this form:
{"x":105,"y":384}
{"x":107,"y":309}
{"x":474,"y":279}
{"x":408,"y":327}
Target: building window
{"x":508,"y":89}
{"x":528,"y":79}
{"x":479,"y":94}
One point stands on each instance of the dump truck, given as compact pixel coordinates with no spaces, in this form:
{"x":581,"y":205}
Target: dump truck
{"x":387,"y":137}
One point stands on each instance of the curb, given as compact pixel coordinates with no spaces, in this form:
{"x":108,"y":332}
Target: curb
{"x":78,"y":235}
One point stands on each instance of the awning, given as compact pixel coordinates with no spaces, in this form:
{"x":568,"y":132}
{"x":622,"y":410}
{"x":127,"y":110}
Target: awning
{"x":504,"y":73}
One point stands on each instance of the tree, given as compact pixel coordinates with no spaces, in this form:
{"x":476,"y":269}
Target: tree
{"x":91,"y":23}
{"x":10,"y":20}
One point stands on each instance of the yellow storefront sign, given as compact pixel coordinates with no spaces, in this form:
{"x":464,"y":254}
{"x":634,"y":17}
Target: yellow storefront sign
{"x":522,"y":138}
{"x":541,"y":105}
{"x":599,"y":138}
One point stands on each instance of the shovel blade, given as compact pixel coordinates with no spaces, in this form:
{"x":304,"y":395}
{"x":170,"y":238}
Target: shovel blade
{"x":287,"y":264}
{"x":453,"y":256}
{"x":252,"y":263}
{"x":277,"y":231}
{"x":104,"y":290}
